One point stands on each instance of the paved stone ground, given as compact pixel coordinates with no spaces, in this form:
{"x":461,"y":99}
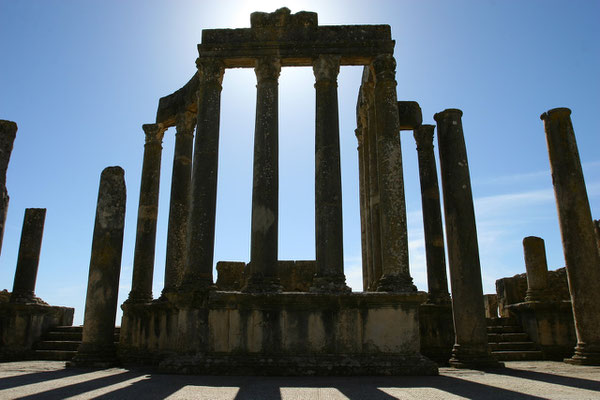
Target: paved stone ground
{"x":519,"y":380}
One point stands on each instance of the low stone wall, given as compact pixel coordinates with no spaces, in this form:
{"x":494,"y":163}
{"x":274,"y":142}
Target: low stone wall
{"x":22,"y":325}
{"x":513,"y":290}
{"x":278,"y":334}
{"x":294,"y":276}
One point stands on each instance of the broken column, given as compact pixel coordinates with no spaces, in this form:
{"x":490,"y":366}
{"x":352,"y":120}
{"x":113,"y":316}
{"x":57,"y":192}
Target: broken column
{"x":29,"y":257}
{"x":328,"y":180}
{"x":577,"y":231}
{"x":437,"y":280}
{"x":179,"y":205}
{"x":145,"y":241}
{"x":203,"y":204}
{"x":265,"y":187}
{"x":394,"y":240}
{"x":97,"y":347}
{"x":537,"y":268}
{"x":471,"y":349}
{"x":8,"y":131}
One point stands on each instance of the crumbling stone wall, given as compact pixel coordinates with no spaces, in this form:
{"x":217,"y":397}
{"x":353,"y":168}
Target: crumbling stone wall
{"x":294,"y":276}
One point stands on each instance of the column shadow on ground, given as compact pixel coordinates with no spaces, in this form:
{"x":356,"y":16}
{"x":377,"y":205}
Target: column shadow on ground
{"x":31,"y":378}
{"x":562,"y":380}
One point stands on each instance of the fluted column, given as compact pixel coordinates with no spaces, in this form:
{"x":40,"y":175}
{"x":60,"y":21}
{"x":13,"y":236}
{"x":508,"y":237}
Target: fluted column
{"x":577,"y":231}
{"x":265,"y":187}
{"x":365,"y":237}
{"x":471,"y":348}
{"x":8,"y":132}
{"x":394,"y":240}
{"x":203,"y":203}
{"x":179,"y":205}
{"x":29,"y":257}
{"x":437,"y":280}
{"x":536,"y":267}
{"x":145,"y":241}
{"x":328,"y":181}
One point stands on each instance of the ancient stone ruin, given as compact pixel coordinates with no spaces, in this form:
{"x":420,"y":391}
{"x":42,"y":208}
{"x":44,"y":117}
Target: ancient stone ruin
{"x":298,"y":317}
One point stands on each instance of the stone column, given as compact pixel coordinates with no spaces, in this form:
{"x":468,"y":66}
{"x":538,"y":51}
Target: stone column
{"x":8,"y":131}
{"x":537,"y":268}
{"x":365,"y":228}
{"x":97,"y":347}
{"x":437,"y":280}
{"x":201,"y":225}
{"x":265,"y":188}
{"x":29,"y":257}
{"x":597,"y":229}
{"x":180,"y":198}
{"x":328,"y":180}
{"x":471,"y":348}
{"x":577,"y":230}
{"x":370,"y":138}
{"x":145,"y":241}
{"x":394,"y":240}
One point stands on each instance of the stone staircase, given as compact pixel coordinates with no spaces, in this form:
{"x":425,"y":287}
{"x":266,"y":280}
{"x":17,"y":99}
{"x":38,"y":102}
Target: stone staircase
{"x":61,"y":343}
{"x":509,"y":342}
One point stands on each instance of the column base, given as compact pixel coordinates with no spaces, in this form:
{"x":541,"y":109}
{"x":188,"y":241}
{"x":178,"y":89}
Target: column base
{"x":330,"y":284}
{"x":258,"y":283}
{"x":139,"y":298}
{"x":26,"y":298}
{"x":95,"y":356}
{"x":584,"y":355}
{"x":438,"y":299}
{"x":400,"y":283}
{"x":473,"y":358}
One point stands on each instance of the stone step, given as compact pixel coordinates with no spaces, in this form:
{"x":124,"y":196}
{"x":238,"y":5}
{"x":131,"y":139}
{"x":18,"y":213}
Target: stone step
{"x":71,"y":329}
{"x":529,"y":355}
{"x":507,"y":337}
{"x":501,"y":321}
{"x":54,"y":355}
{"x":513,"y":346}
{"x":63,"y":336}
{"x":505,"y":329}
{"x":58,"y":345}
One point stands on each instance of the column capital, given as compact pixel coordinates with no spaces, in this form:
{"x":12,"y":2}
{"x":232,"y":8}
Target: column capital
{"x":185,"y":122}
{"x":449,"y":113}
{"x":384,"y":67}
{"x":154,"y":133}
{"x":267,"y":68}
{"x":326,"y":68}
{"x":556,"y":113}
{"x":424,"y":137}
{"x":210,"y":69}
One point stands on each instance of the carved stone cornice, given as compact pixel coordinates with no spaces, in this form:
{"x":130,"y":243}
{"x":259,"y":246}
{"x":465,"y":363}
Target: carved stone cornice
{"x":326,"y":68}
{"x":154,"y":133}
{"x":267,"y":68}
{"x":210,"y":70}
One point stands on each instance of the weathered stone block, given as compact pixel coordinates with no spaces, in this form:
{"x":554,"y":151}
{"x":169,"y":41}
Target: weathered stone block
{"x":410,"y":115}
{"x":436,"y":331}
{"x":490,"y":301}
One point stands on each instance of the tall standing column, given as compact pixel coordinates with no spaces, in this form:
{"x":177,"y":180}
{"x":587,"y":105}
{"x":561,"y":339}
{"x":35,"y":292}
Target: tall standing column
{"x":8,"y":131}
{"x":265,"y":188}
{"x":577,"y":231}
{"x":145,"y":241}
{"x":394,"y":240}
{"x":437,"y":280}
{"x":370,"y":139}
{"x":29,"y":257}
{"x":365,"y":227}
{"x":201,"y":224}
{"x":179,"y":205}
{"x":597,"y":229}
{"x":97,"y":347}
{"x":328,"y":180}
{"x":536,"y":266}
{"x":471,"y":348}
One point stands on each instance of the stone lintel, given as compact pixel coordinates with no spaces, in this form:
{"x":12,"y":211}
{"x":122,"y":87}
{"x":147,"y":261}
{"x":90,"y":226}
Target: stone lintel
{"x":183,"y":99}
{"x":296,"y":45}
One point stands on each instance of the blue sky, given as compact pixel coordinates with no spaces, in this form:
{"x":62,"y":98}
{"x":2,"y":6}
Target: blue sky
{"x":81,"y":77}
